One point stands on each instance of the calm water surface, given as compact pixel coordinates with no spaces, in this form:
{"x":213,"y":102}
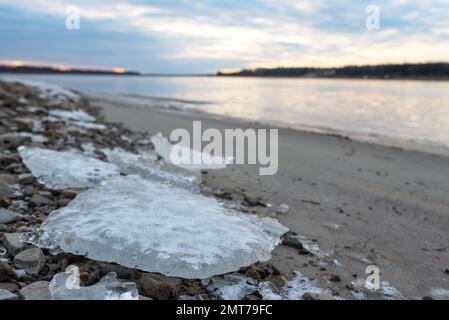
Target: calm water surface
{"x":409,"y":113}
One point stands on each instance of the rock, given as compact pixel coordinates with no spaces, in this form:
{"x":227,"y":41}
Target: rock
{"x":6,"y":295}
{"x":6,"y":160}
{"x":36,"y":291}
{"x":5,"y":190}
{"x":6,"y":273}
{"x":7,"y":216}
{"x":292,"y":241}
{"x":63,"y":202}
{"x":12,"y":287}
{"x":7,"y":179}
{"x":12,"y":243}
{"x":69,"y":193}
{"x":40,"y":201}
{"x":29,"y":191}
{"x":334,"y":278}
{"x":252,"y":201}
{"x":158,"y":286}
{"x":11,"y":141}
{"x":32,"y":260}
{"x":144,"y":298}
{"x":252,"y":273}
{"x":278,"y":281}
{"x":122,"y":272}
{"x":25,"y":178}
{"x":317,"y":296}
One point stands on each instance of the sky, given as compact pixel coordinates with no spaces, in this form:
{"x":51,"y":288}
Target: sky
{"x":203,"y":36}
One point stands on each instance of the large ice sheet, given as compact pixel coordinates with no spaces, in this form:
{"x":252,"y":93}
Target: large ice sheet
{"x":156,"y":227}
{"x":65,"y":169}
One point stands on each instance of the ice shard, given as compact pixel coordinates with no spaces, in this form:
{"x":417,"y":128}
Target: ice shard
{"x":156,"y":227}
{"x":65,"y":169}
{"x":208,"y":161}
{"x":64,"y":286}
{"x":146,"y":164}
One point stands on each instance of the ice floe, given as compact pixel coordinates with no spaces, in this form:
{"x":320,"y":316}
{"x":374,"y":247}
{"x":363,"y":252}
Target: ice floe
{"x":77,"y":118}
{"x":155,"y":227}
{"x":146,"y":164}
{"x":167,"y":150}
{"x":236,"y":287}
{"x":65,"y":286}
{"x":47,"y":91}
{"x":65,"y":169}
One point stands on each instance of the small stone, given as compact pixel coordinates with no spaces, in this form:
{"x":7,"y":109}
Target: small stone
{"x":40,"y":201}
{"x":252,"y":273}
{"x":11,"y":141}
{"x":6,"y":273}
{"x":5,"y":190}
{"x":63,"y":202}
{"x":446,"y":271}
{"x":12,"y":243}
{"x":32,"y":260}
{"x":29,"y":191}
{"x":158,"y":286}
{"x":7,"y":216}
{"x":12,"y":287}
{"x":36,"y":291}
{"x":21,"y":229}
{"x":7,"y":179}
{"x":317,"y":296}
{"x":278,"y":281}
{"x":291,"y":241}
{"x":120,"y":271}
{"x":6,"y":295}
{"x":69,"y":193}
{"x":335,"y":278}
{"x":25,"y":178}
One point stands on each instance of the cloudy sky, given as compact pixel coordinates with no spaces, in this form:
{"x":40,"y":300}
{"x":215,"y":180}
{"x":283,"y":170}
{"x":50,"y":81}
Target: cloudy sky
{"x":186,"y":36}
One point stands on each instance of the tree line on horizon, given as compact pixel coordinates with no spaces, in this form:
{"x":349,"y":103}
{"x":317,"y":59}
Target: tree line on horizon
{"x":386,"y":71}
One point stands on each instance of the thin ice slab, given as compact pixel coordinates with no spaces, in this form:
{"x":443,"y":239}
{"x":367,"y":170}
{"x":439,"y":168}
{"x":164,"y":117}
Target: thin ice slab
{"x":169,"y":152}
{"x":146,"y":164}
{"x":65,"y":169}
{"x":157,"y":227}
{"x":65,"y":286}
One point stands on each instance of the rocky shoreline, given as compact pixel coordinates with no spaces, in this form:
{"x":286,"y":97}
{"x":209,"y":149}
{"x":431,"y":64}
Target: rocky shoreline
{"x":28,"y":119}
{"x":25,"y":270}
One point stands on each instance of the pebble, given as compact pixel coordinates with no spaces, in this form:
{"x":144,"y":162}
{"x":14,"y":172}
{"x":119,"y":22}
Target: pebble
{"x":317,"y":296}
{"x":5,"y":190}
{"x":7,"y":216}
{"x":7,"y":179}
{"x":32,"y":260}
{"x":12,"y":243}
{"x":6,"y":295}
{"x":36,"y":291}
{"x":38,"y":200}
{"x":25,"y":178}
{"x":158,"y":286}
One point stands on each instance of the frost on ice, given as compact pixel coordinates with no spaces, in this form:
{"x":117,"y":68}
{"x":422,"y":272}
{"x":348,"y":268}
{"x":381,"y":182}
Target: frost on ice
{"x":65,"y":286}
{"x":156,"y":227}
{"x":167,"y":150}
{"x":65,"y":169}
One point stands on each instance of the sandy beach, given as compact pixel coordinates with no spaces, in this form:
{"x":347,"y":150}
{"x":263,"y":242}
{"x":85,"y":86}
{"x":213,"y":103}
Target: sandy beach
{"x":362,"y":204}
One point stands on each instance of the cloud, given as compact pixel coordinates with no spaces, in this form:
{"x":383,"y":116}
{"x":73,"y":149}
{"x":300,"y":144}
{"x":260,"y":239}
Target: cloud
{"x":244,"y":33}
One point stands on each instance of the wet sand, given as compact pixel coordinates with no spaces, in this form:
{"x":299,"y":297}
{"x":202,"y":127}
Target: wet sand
{"x":363,"y":203}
